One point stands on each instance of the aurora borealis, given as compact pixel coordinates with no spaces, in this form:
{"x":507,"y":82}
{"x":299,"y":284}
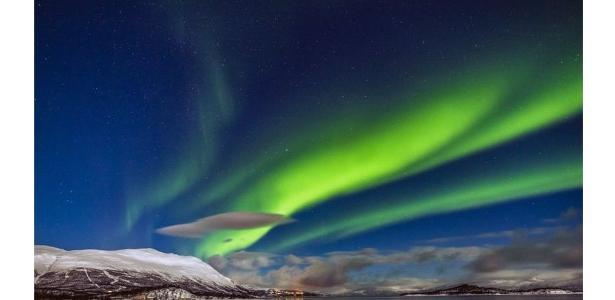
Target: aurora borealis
{"x":419,"y":138}
{"x":413,"y":119}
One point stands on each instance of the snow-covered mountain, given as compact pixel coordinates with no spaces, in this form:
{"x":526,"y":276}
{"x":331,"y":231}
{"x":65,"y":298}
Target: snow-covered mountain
{"x":129,"y":272}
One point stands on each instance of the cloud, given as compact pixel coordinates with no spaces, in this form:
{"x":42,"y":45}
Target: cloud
{"x":530,"y":278}
{"x":563,"y":250}
{"x":335,"y":272}
{"x":511,"y":234}
{"x":397,"y":284}
{"x":294,"y":260}
{"x":230,"y":220}
{"x":243,"y":261}
{"x":571,"y":214}
{"x":552,"y":258}
{"x":250,"y":260}
{"x":336,"y":268}
{"x":332,"y":272}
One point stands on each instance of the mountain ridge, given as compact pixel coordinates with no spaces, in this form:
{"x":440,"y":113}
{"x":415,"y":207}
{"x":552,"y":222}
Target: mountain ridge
{"x":471,"y":289}
{"x":91,"y":273}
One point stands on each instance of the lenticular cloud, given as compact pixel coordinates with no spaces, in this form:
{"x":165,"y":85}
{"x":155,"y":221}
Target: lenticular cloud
{"x":230,"y":220}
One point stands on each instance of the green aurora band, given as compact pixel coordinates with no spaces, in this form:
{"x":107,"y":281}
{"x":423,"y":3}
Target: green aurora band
{"x":463,"y":114}
{"x":509,"y":181}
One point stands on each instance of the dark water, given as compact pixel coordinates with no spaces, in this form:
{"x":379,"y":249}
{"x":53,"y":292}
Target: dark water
{"x":477,"y":297}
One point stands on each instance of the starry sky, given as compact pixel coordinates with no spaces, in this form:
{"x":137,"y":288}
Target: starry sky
{"x":413,"y":143}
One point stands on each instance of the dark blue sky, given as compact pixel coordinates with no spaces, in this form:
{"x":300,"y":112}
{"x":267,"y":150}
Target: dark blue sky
{"x":148,"y":113}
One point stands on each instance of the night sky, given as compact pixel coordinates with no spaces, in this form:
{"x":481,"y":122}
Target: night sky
{"x":428,"y":139}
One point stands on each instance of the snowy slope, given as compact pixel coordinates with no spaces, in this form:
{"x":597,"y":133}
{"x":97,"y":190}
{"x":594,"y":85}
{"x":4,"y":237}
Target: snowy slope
{"x":92,"y":272}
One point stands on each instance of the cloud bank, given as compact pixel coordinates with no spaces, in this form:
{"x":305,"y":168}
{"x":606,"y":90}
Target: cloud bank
{"x":554,"y":261}
{"x":563,"y":250}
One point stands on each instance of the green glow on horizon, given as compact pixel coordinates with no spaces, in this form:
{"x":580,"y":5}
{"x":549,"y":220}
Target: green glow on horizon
{"x":462,"y":115}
